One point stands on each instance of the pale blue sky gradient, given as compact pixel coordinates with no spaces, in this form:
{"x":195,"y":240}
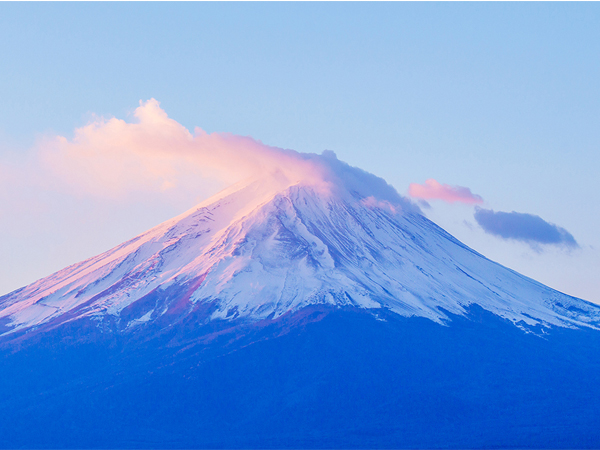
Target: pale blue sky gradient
{"x":502,"y":98}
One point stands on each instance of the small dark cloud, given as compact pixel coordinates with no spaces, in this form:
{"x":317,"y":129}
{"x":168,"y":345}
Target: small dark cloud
{"x":523,"y":227}
{"x":423,"y":204}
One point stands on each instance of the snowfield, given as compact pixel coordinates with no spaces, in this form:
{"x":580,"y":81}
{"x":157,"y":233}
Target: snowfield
{"x":266,"y":247}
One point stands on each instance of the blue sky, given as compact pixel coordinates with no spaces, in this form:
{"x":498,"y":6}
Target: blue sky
{"x":500,"y":98}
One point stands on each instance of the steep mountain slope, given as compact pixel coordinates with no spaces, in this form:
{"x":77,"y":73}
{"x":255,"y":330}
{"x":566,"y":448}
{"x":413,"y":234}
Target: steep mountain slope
{"x":263,"y":249}
{"x":295,"y":313}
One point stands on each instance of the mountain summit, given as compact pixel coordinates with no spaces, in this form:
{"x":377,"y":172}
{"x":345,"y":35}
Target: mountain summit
{"x":309,"y":308}
{"x":267,"y":247}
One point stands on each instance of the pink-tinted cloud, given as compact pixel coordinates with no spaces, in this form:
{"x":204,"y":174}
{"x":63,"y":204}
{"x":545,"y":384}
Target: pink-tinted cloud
{"x":115,"y":160}
{"x":372,"y":202}
{"x":111,"y":158}
{"x":116,"y":178}
{"x":433,"y":190}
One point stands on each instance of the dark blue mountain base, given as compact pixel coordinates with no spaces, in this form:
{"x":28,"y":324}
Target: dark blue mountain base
{"x":317,"y":379}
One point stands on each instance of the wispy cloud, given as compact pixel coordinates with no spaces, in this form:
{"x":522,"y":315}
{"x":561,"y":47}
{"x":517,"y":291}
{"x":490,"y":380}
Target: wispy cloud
{"x":116,"y":178}
{"x":433,"y":190}
{"x":523,"y":227}
{"x":110,"y":158}
{"x":113,"y":159}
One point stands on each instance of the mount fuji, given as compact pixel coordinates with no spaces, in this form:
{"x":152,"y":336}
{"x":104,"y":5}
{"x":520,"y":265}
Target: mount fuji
{"x":297,"y":312}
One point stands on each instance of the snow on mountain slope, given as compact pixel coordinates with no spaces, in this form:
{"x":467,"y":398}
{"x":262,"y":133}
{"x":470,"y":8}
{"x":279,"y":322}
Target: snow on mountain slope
{"x":265,"y":247}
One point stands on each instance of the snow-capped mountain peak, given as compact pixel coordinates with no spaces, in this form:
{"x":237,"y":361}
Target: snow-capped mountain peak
{"x":266,"y":247}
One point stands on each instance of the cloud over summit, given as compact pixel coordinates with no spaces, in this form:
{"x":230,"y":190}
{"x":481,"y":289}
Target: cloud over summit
{"x":111,"y":158}
{"x":115,"y":159}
